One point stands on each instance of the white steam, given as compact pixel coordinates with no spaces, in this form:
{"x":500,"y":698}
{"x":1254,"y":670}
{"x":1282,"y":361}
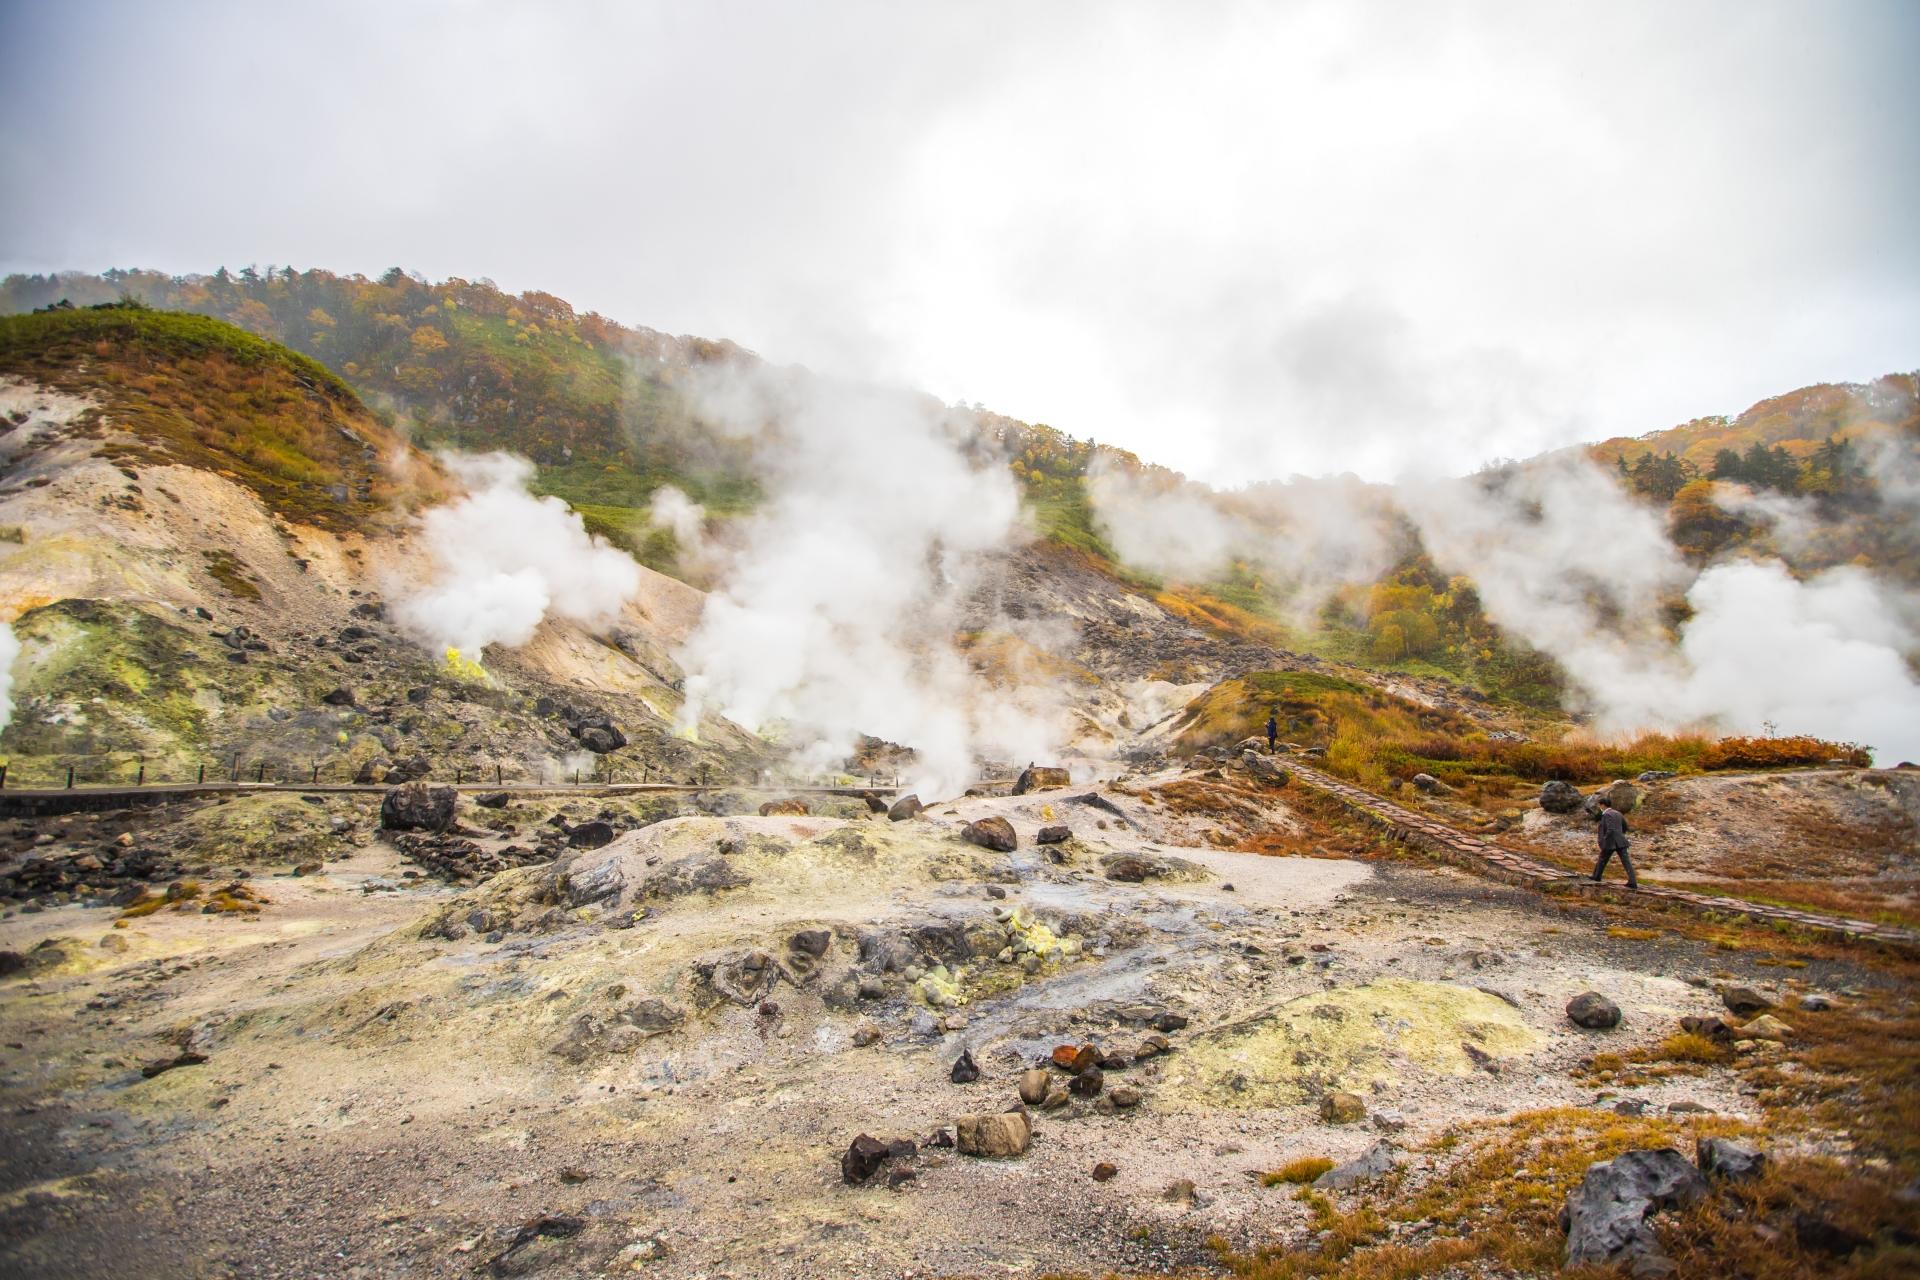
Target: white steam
{"x":9,"y":650}
{"x":503,"y":561}
{"x":672,"y":510}
{"x":839,"y":613}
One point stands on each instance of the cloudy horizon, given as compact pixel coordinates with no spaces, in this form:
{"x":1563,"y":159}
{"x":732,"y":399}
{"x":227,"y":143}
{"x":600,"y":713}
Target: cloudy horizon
{"x":1244,"y":241}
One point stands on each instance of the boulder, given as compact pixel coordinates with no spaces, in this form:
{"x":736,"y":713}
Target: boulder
{"x":1729,"y":1160}
{"x":1560,"y":797}
{"x":1425,"y":782}
{"x":1744,"y":1001}
{"x":1265,"y":768}
{"x":413,"y":769}
{"x":810,"y":942}
{"x":1606,"y":1216}
{"x":992,"y":1137}
{"x":792,"y":807}
{"x":1593,"y":1011}
{"x":590,"y":835}
{"x":342,"y":697}
{"x":862,"y":1159}
{"x":1622,"y":795}
{"x":1053,"y":835}
{"x":493,"y":800}
{"x":1034,"y":1086}
{"x":1342,"y":1108}
{"x":1371,"y":1164}
{"x":1653,"y":775}
{"x":1766,"y":1027}
{"x":991,"y":833}
{"x":903,"y":808}
{"x":416,"y":806}
{"x":1040,"y":777}
{"x":598,"y":735}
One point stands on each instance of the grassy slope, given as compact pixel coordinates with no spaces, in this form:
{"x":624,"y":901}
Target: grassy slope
{"x":204,"y":393}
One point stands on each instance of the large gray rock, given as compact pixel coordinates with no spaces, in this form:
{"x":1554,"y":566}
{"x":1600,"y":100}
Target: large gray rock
{"x":1425,"y":782}
{"x":1606,"y":1216}
{"x":903,"y":808}
{"x":418,"y":807}
{"x":1560,"y":797}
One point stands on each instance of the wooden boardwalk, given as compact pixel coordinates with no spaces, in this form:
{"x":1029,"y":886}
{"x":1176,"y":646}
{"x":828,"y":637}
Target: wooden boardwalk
{"x":1483,"y":857}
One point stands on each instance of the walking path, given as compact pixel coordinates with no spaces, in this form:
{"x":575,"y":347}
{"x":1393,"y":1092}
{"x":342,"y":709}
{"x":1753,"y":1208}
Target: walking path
{"x":1484,"y":858}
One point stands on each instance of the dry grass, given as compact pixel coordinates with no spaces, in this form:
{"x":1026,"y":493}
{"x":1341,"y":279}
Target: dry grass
{"x":1303,"y":1170}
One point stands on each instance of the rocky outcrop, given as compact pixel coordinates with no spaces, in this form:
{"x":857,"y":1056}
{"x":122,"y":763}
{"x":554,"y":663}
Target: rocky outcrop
{"x":1265,"y":768}
{"x":416,"y":806}
{"x":1606,"y":1216}
{"x":1371,"y":1164}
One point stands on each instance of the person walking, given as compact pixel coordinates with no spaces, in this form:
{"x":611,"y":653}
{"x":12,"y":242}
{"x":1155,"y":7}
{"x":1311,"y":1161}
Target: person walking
{"x":1613,"y":839}
{"x":1273,"y":730}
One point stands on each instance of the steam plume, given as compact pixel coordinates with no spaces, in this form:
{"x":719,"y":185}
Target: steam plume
{"x":9,"y":650}
{"x":504,"y":561}
{"x":838,"y":615}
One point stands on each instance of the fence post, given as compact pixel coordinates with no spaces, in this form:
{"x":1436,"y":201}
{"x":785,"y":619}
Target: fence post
{"x":3,"y":777}
{"x":260,"y":772}
{"x":458,"y":772}
{"x":236,"y":768}
{"x":496,"y":775}
{"x":203,"y":771}
{"x":141,"y":781}
{"x":69,"y":777}
{"x":316,"y":774}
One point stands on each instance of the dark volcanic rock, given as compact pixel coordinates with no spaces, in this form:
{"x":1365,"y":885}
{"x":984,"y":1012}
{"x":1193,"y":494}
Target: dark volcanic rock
{"x":903,"y":808}
{"x":965,"y":1070}
{"x":1606,"y":1216}
{"x":590,"y":835}
{"x":991,"y":833}
{"x":1054,"y":835}
{"x":416,"y":806}
{"x":1744,"y":1001}
{"x":811,"y":942}
{"x":862,"y":1160}
{"x":342,"y":697}
{"x":1593,"y":1011}
{"x":1730,"y":1160}
{"x":1560,"y":797}
{"x":493,"y":800}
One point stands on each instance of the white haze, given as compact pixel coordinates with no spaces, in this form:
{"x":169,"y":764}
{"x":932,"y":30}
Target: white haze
{"x":837,"y":616}
{"x":1567,"y":560}
{"x":672,"y":510}
{"x":9,"y":650}
{"x":502,"y":561}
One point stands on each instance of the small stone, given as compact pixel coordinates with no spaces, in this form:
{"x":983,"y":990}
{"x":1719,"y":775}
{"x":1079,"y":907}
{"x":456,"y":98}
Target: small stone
{"x":307,"y":869}
{"x":1181,"y":1191}
{"x":1075,"y":1058}
{"x":1342,"y":1108}
{"x":1377,"y":1160}
{"x":1104,"y":1171}
{"x":1688,"y":1107}
{"x":573,"y":1175}
{"x":1593,"y":1011}
{"x":1125,"y":1096}
{"x":865,"y":1034}
{"x":810,"y":942}
{"x":965,"y":1070}
{"x":1170,"y":1021}
{"x":1712,"y":1028}
{"x":1744,"y":1002}
{"x":871,"y":989}
{"x":1088,"y":1083}
{"x":1152,"y":1047}
{"x":1766,"y":1027}
{"x":863,"y":1158}
{"x":1053,"y":835}
{"x":1816,"y":1002}
{"x":991,"y":833}
{"x":1034,"y":1086}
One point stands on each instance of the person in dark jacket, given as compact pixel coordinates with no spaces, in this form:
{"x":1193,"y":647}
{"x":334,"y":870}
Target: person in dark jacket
{"x":1273,"y":729}
{"x":1613,"y":839}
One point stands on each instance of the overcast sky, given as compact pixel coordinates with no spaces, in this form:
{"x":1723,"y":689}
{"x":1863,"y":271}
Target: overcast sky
{"x":1246,"y":240}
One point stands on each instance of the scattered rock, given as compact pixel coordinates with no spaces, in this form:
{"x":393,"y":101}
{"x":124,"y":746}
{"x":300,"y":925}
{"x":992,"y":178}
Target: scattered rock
{"x":1181,"y":1191}
{"x":1729,"y":1160}
{"x":1688,"y":1107}
{"x":1744,"y":1001}
{"x":1823,"y":1235}
{"x":1425,"y":782}
{"x":1265,"y":768}
{"x":1766,"y":1027}
{"x":416,"y":806}
{"x":1006,"y":1133}
{"x":1712,"y":1028}
{"x":1342,"y":1108}
{"x":862,"y":1160}
{"x":1375,"y":1161}
{"x":1606,"y":1216}
{"x":1040,"y":777}
{"x":493,"y":800}
{"x":1075,"y":1058}
{"x":865,"y":1034}
{"x":1125,"y":1096}
{"x":188,"y":1059}
{"x":1816,"y":1002}
{"x":1389,"y":1121}
{"x":1034,"y":1086}
{"x":965,"y":1070}
{"x":1104,"y":1171}
{"x":1054,"y":835}
{"x":1593,"y":1011}
{"x":1088,"y":1083}
{"x":1152,"y":1047}
{"x":991,"y":833}
{"x":1169,"y":1021}
{"x":1653,"y":775}
{"x":903,"y":808}
{"x":1560,"y":797}
{"x":342,"y":697}
{"x":811,"y":942}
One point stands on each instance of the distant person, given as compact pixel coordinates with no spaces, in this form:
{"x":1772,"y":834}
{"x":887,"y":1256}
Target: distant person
{"x":1273,"y":730}
{"x":1613,"y":839}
